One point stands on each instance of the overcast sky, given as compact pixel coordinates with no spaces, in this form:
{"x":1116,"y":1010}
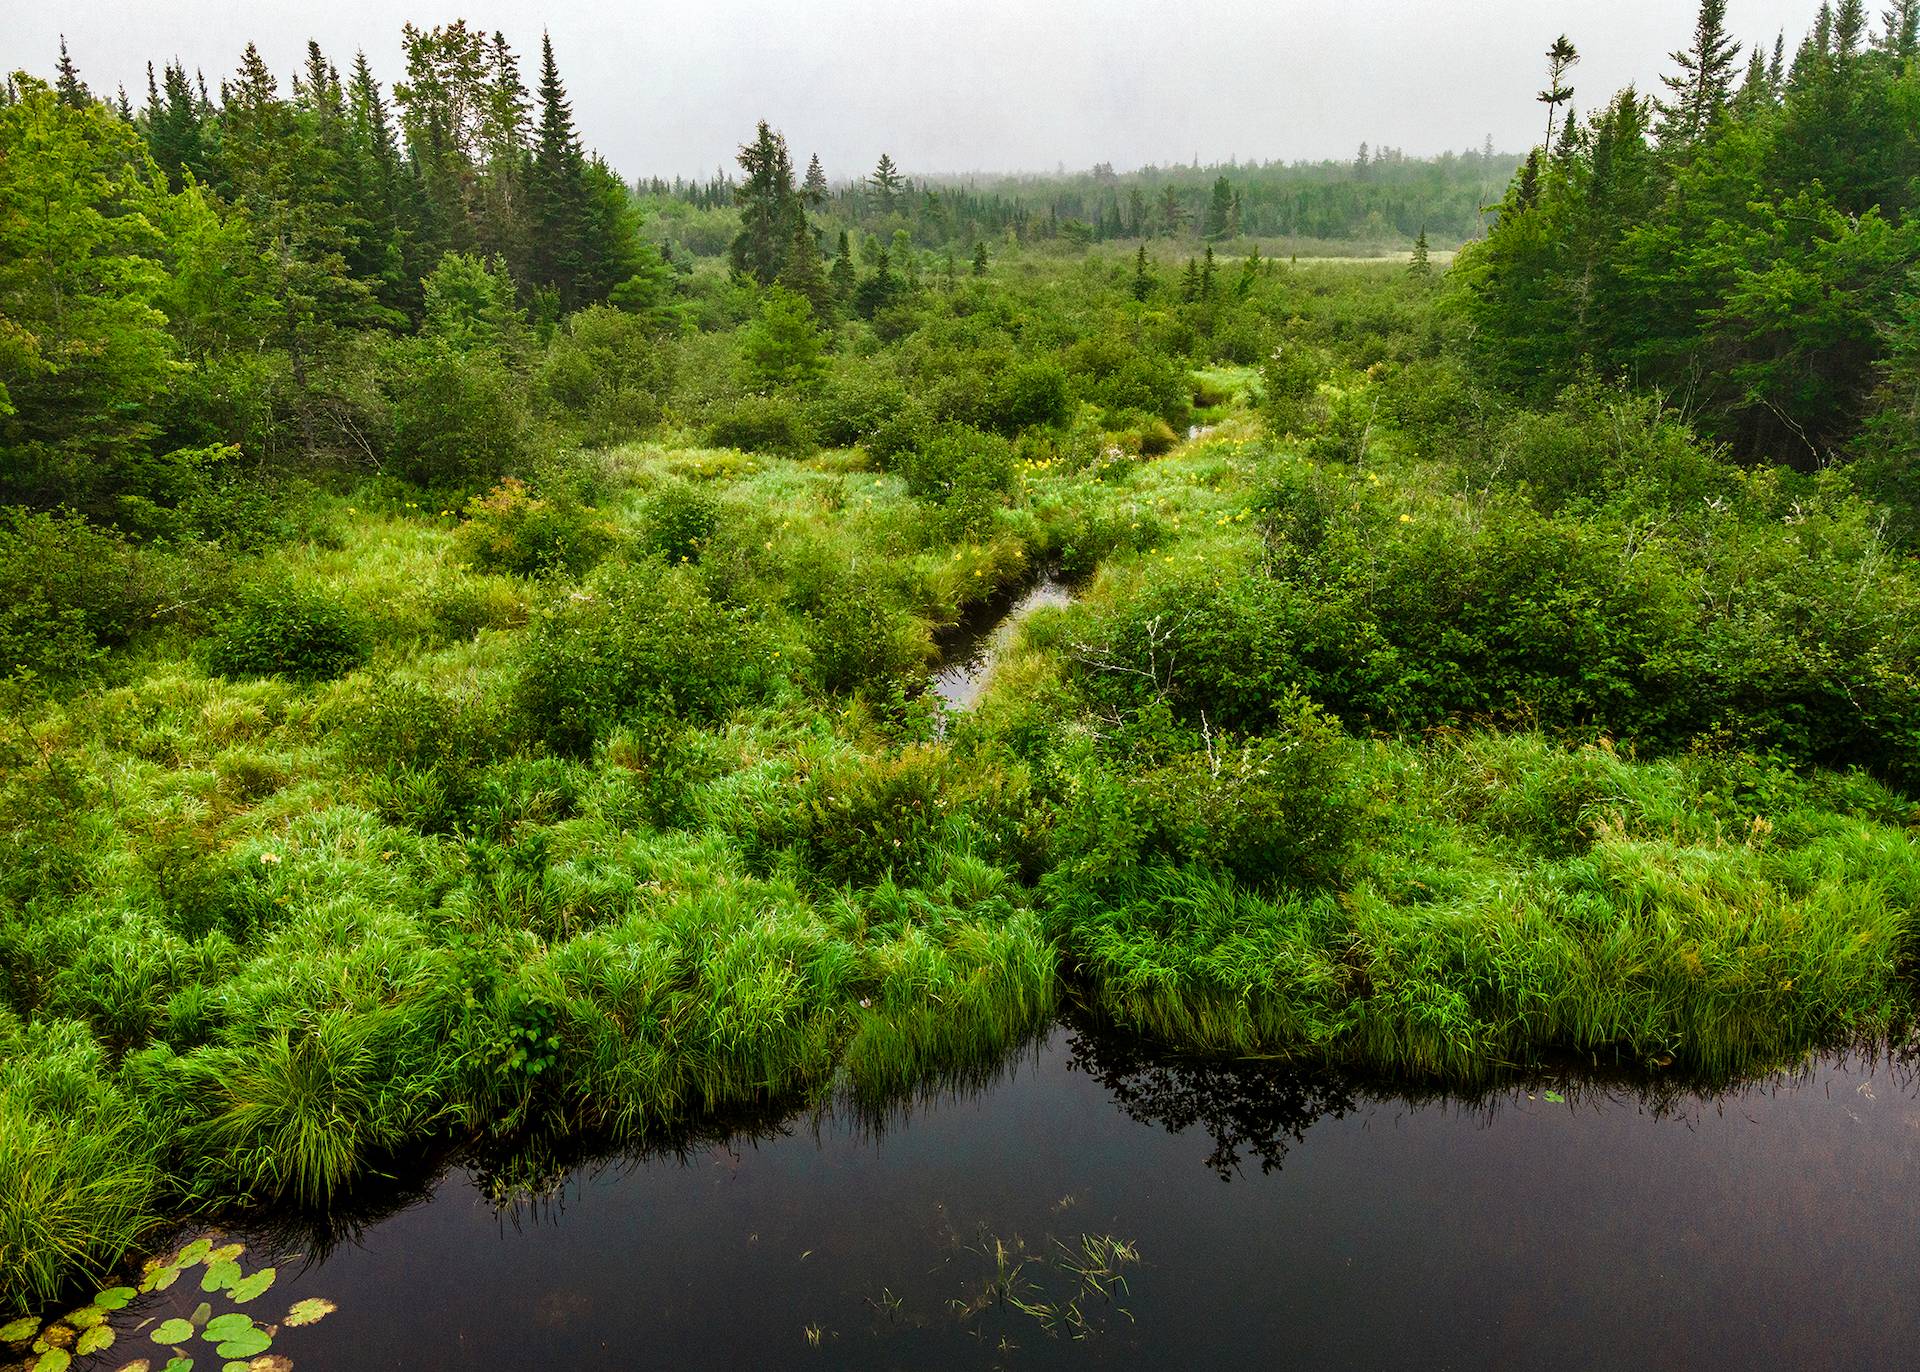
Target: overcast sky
{"x":963,"y":85}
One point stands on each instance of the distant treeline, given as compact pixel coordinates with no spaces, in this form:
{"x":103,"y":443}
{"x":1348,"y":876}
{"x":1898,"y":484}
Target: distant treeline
{"x":1379,"y":195}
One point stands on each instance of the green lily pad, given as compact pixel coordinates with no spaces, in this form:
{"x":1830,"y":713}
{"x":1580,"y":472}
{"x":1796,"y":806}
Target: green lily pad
{"x":178,"y":1365}
{"x":95,"y":1339}
{"x":227,"y":1252}
{"x":226,"y":1327}
{"x":115,"y":1297}
{"x":220,"y":1275}
{"x":20,"y":1330}
{"x":246,"y":1344}
{"x":160,"y":1278}
{"x":247,"y":1288}
{"x":193,"y":1252}
{"x":86,"y":1317}
{"x":309,"y":1311}
{"x":1555,"y":1097}
{"x":53,"y":1360}
{"x":173,"y":1331}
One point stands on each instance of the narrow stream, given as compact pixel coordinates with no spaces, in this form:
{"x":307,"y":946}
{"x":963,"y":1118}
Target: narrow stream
{"x":1274,"y":1219}
{"x":976,"y":645}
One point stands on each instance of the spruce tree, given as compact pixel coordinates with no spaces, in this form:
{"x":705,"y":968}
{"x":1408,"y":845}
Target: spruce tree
{"x":814,"y":188}
{"x":68,"y":88}
{"x":1190,"y":283}
{"x":802,"y":273}
{"x":770,"y":207}
{"x":1220,"y":209}
{"x":1142,"y":278}
{"x":557,"y":193}
{"x":1561,"y":58}
{"x":1422,"y":264}
{"x":1207,"y":275}
{"x":842,"y":274}
{"x":1249,"y":273}
{"x":1702,"y":89}
{"x":886,"y":182}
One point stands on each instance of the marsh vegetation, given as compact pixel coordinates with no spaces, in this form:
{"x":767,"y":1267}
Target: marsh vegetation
{"x":470,"y":659}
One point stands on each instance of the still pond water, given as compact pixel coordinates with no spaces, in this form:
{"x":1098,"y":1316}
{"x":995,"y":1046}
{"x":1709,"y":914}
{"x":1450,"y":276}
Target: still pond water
{"x":1253,"y":1218}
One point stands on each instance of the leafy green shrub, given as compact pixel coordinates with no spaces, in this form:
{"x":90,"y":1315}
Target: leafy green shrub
{"x":1290,"y":386}
{"x":1029,"y":394}
{"x":764,"y":424}
{"x":69,"y":591}
{"x":637,"y":639}
{"x":605,"y":374}
{"x":282,"y":627}
{"x":955,"y":464}
{"x":853,"y":820}
{"x":679,"y":520}
{"x":1277,"y":810}
{"x":511,"y":530}
{"x":456,"y":419}
{"x":858,"y":639}
{"x":853,"y":403}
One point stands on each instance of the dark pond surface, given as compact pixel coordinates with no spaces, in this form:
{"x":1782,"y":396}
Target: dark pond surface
{"x":970,"y":651}
{"x":1279,"y":1220}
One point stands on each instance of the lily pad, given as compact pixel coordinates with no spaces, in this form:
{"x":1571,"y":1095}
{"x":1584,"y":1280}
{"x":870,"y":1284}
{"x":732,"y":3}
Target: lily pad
{"x":160,"y":1278}
{"x":224,"y":1328}
{"x":137,"y":1365}
{"x":193,"y":1252}
{"x":309,"y":1311}
{"x":247,"y":1288}
{"x":271,"y":1362}
{"x":115,"y":1297}
{"x":246,"y":1344}
{"x":53,"y":1360}
{"x":86,"y":1317}
{"x":95,"y":1339}
{"x":221,"y":1274}
{"x":178,"y":1365}
{"x":227,"y":1252}
{"x":173,"y":1331}
{"x":20,"y":1330}
{"x":55,"y":1336}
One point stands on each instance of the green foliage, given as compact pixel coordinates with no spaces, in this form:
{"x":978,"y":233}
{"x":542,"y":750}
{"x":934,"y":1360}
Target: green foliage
{"x":288,"y":628}
{"x":764,"y":424}
{"x":783,"y":347}
{"x":511,"y":530}
{"x":606,"y":374}
{"x":680,"y":521}
{"x":456,"y":419}
{"x":636,"y":640}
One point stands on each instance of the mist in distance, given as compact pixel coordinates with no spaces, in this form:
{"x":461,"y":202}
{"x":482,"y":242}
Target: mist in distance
{"x":948,"y":86}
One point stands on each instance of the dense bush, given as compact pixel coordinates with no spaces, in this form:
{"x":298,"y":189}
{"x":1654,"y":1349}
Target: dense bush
{"x":456,"y":419}
{"x":605,"y":374}
{"x":289,"y":628}
{"x":637,"y":639}
{"x":764,"y":424}
{"x":855,"y":820}
{"x":679,"y":520}
{"x":511,"y":530}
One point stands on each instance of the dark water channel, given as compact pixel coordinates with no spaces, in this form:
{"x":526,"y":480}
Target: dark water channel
{"x":1279,"y":1220}
{"x":972,"y":649}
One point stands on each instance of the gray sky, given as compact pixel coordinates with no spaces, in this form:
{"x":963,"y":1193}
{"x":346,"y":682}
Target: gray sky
{"x":963,"y":85}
